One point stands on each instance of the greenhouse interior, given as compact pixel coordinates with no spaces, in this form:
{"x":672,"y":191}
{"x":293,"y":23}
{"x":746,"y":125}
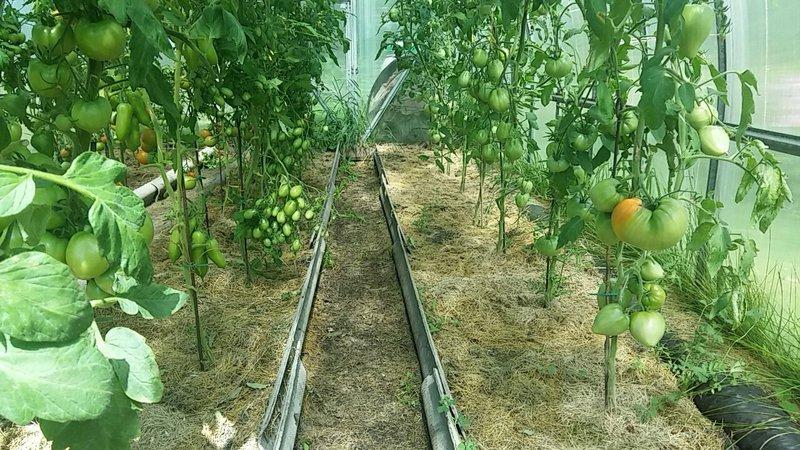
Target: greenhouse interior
{"x":410,"y":224}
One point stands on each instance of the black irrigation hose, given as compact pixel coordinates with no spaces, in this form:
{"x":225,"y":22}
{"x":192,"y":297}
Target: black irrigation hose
{"x":744,"y":411}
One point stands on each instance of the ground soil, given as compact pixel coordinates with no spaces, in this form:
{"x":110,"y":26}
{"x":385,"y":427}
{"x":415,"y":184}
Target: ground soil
{"x":528,"y":376}
{"x":363,"y":374}
{"x":245,"y":327}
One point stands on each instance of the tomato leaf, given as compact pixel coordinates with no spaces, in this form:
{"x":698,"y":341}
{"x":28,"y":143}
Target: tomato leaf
{"x":657,"y":89}
{"x":42,"y":302}
{"x":747,"y":258}
{"x":59,"y":382}
{"x":114,"y":428}
{"x":748,"y":84}
{"x":603,"y":109}
{"x":117,"y":8}
{"x":134,"y":363}
{"x":149,"y":27}
{"x":217,"y":23}
{"x":772,"y":194}
{"x":116,"y":213}
{"x":570,"y":231}
{"x":747,"y":180}
{"x":717,"y":248}
{"x":686,"y":95}
{"x":598,"y":21}
{"x":152,"y":301}
{"x":510,"y":11}
{"x":701,"y":235}
{"x":16,"y":193}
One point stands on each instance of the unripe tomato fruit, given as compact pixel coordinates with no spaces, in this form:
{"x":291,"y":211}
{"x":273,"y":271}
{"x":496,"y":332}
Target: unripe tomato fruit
{"x":558,"y":68}
{"x":611,"y":320}
{"x":605,"y":195}
{"x":603,"y":229}
{"x":547,"y":246}
{"x":656,"y":228}
{"x":714,"y":140}
{"x":103,"y":40}
{"x":148,"y":229}
{"x":651,"y":271}
{"x":647,"y":327}
{"x":653,"y":296}
{"x":698,"y":20}
{"x":480,"y":58}
{"x":84,"y":257}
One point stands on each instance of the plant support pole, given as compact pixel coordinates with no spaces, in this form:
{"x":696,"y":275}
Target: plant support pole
{"x":241,"y":197}
{"x":184,"y":207}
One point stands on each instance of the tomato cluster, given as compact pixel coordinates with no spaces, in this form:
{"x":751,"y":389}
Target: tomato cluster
{"x":275,"y":219}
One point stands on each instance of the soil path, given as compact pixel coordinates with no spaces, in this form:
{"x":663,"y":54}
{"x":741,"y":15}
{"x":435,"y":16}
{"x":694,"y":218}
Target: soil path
{"x":363,"y":376}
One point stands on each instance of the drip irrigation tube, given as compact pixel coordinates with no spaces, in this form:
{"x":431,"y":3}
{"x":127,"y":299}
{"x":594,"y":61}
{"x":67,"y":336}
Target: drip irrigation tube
{"x":282,"y":416}
{"x":439,"y":407}
{"x":745,"y":411}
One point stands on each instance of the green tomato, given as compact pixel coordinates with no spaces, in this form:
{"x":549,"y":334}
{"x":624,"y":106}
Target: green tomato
{"x":579,"y":173}
{"x":651,"y":271}
{"x":583,"y":142}
{"x":607,"y":293}
{"x":547,"y":246}
{"x":603,"y":229}
{"x":653,"y":296}
{"x":290,"y":207}
{"x":43,"y":141}
{"x":91,"y":115}
{"x":714,"y":140}
{"x":480,"y":58}
{"x":647,"y":327}
{"x":698,"y":21}
{"x":148,"y":229}
{"x":105,"y":281}
{"x":93,"y":291}
{"x":503,"y":131}
{"x":464,"y":79}
{"x":296,"y":191}
{"x":63,"y":123}
{"x":50,"y":80}
{"x":53,"y":42}
{"x":522,"y":200}
{"x":611,"y":320}
{"x":189,"y":182}
{"x":15,"y":104}
{"x":513,"y":150}
{"x":84,"y":257}
{"x":55,"y":246}
{"x":495,"y":70}
{"x":103,"y":40}
{"x":480,"y":137}
{"x":15,"y":131}
{"x":576,"y":208}
{"x":558,"y":68}
{"x":605,"y":195}
{"x":499,"y":100}
{"x":658,"y":227}
{"x":283,"y":190}
{"x":703,"y":114}
{"x":557,"y":165}
{"x":630,"y":122}
{"x":490,"y":154}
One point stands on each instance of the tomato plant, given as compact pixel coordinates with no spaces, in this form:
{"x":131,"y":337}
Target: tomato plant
{"x":98,"y":80}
